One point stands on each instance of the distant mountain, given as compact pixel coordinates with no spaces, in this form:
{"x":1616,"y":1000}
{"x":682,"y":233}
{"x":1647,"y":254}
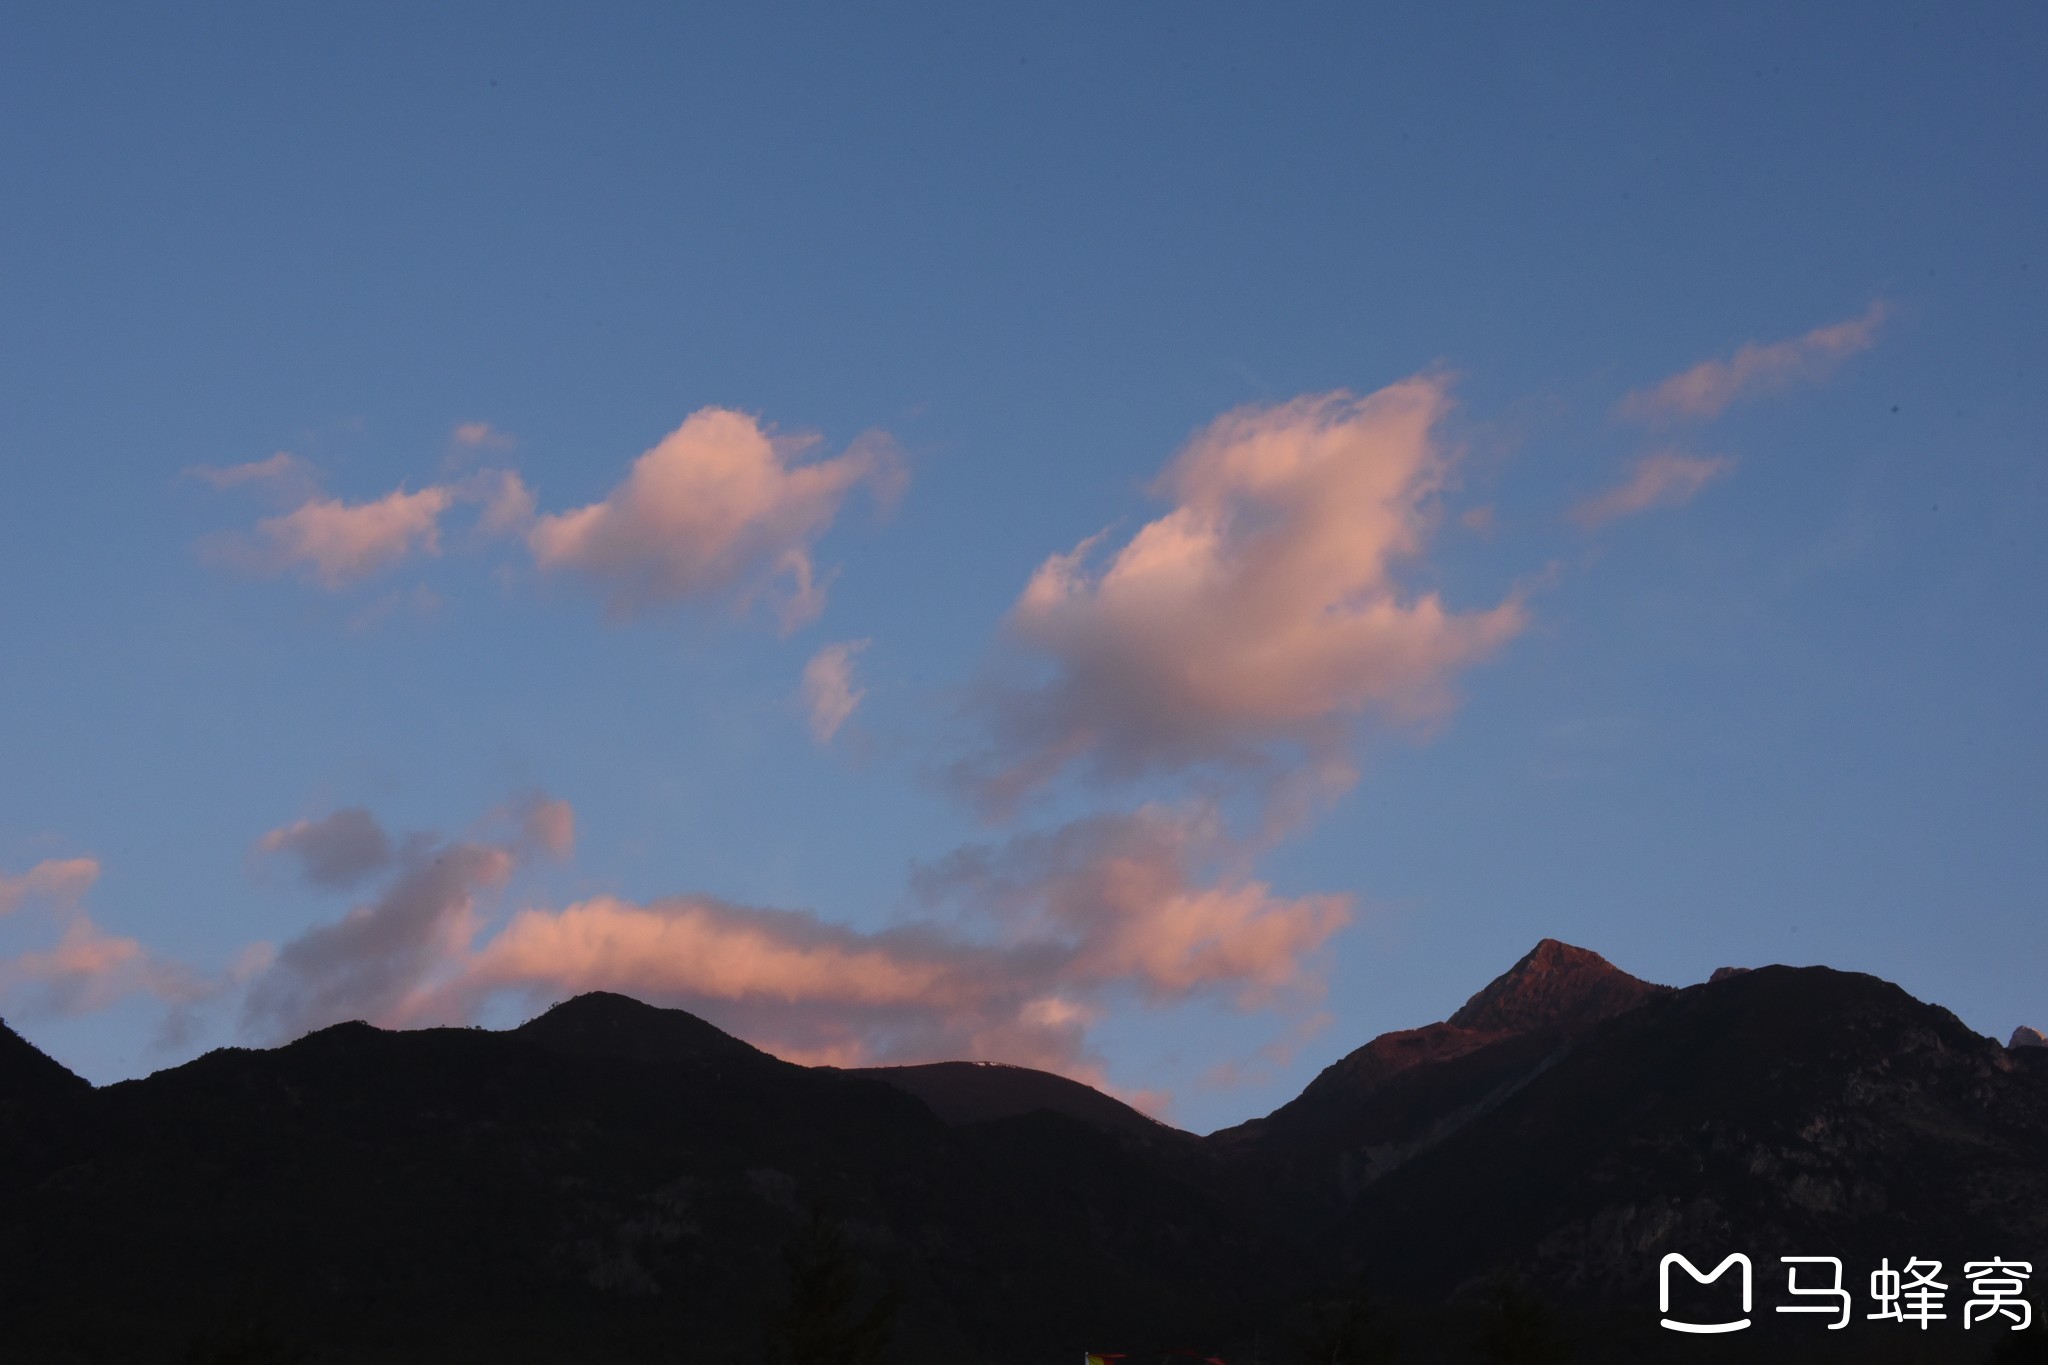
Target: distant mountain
{"x":1377,"y":1108}
{"x":1779,"y":1112}
{"x":613,"y":1182}
{"x":977,"y":1092}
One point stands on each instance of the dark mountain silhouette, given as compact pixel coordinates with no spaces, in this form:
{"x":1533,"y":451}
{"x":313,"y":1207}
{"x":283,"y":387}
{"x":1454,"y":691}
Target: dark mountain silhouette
{"x":602,"y":1024}
{"x":1374,"y":1110}
{"x":1779,"y":1112}
{"x":617,"y":1182}
{"x":28,"y":1076}
{"x":976,"y":1092}
{"x":1553,"y":992}
{"x":608,"y":1182}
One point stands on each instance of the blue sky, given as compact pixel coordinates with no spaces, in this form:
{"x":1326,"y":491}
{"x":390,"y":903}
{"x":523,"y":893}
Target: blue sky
{"x":1776,"y":699}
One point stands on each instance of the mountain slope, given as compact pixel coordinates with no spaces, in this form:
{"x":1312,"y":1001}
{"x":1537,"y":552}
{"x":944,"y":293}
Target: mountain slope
{"x":1375,"y":1109}
{"x":617,"y":1183}
{"x":609,"y":1025}
{"x":1555,"y":985}
{"x":1783,"y":1111}
{"x":977,"y":1092}
{"x":611,"y":1182}
{"x":28,"y":1075}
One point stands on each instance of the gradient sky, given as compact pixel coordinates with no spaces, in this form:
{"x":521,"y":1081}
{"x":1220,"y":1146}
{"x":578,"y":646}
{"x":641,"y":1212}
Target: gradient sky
{"x":1156,"y":541}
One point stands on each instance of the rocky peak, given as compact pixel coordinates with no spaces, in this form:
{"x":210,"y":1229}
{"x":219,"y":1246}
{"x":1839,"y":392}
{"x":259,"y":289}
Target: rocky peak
{"x":1505,"y":1029}
{"x":2027,"y":1037}
{"x":1554,"y":985}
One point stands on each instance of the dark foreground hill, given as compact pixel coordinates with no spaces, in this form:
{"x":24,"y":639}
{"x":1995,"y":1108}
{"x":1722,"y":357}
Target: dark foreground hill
{"x":614,"y":1182}
{"x":610,"y":1181}
{"x":976,"y":1092}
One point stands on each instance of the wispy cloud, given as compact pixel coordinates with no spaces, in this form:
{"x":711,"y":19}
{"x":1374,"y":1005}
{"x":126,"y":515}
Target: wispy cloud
{"x":1265,"y":608}
{"x":828,"y":688}
{"x":1050,"y":930}
{"x":1159,"y":901}
{"x":338,"y":851}
{"x":1109,"y":905}
{"x":508,"y":502}
{"x":335,"y":543}
{"x":717,"y":508}
{"x":375,"y":960}
{"x":548,"y":823}
{"x":720,"y":508}
{"x":1268,"y":1059}
{"x":63,"y":880}
{"x":86,"y":968}
{"x":281,"y":468}
{"x":1665,"y":479}
{"x":1710,"y":387}
{"x":787,"y":980}
{"x":382,"y":959}
{"x":479,"y":436}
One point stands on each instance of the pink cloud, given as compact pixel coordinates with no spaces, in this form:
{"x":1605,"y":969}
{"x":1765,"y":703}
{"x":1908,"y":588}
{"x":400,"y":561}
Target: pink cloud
{"x":87,"y":968}
{"x":549,"y":824}
{"x":716,"y":507}
{"x":64,"y":880}
{"x":1157,"y":901}
{"x":829,"y":689}
{"x":719,"y":507}
{"x":1059,"y":926}
{"x":508,"y":502}
{"x":479,"y":436}
{"x":1263,"y":608}
{"x":281,"y":468}
{"x":699,"y":947}
{"x":335,"y":543}
{"x":1666,"y":479}
{"x":1710,"y":387}
{"x":788,"y":981}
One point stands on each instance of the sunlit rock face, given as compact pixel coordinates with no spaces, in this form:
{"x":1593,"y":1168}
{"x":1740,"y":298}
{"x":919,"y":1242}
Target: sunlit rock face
{"x":1375,"y":1110}
{"x":1556,"y":990}
{"x":1554,"y":986}
{"x":2027,"y":1037}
